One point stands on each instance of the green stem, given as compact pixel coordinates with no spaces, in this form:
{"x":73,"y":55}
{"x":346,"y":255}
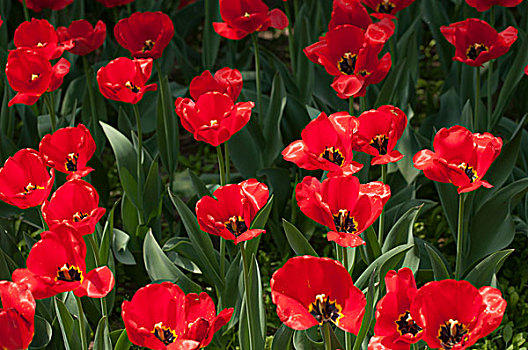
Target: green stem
{"x":257,"y":74}
{"x":381,"y":219}
{"x":51,"y":110}
{"x":326,"y":336}
{"x":460,"y":236}
{"x":82,"y":326}
{"x":351,"y":105}
{"x":490,"y":70}
{"x":88,"y":74}
{"x":362,"y":104}
{"x":227,"y":163}
{"x":26,"y":13}
{"x":477,"y":100}
{"x":221,"y":165}
{"x":249,"y":308}
{"x":392,"y":48}
{"x":290,"y":37}
{"x":164,"y":95}
{"x":344,"y":257}
{"x":296,"y":6}
{"x":97,"y":258}
{"x":139,"y":159}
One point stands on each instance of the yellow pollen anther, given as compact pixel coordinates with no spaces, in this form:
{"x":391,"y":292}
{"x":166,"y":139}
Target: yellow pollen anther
{"x":247,"y":15}
{"x":34,"y":77}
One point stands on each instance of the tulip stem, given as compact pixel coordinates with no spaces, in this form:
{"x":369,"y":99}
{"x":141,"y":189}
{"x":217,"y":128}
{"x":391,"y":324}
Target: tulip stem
{"x":97,"y":258}
{"x":139,"y":159}
{"x":82,"y":326}
{"x":460,"y":236}
{"x":249,"y":312}
{"x":227,"y":163}
{"x":221,"y":168}
{"x":490,"y":71}
{"x":257,"y":76}
{"x":363,"y":104}
{"x":26,"y":13}
{"x":88,"y":73}
{"x":326,"y":336}
{"x":51,"y":110}
{"x":351,"y":105}
{"x":290,"y":37}
{"x":477,"y":100}
{"x":381,"y":220}
{"x":296,"y":6}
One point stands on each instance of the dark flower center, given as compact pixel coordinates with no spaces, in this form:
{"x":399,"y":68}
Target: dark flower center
{"x":469,"y":171}
{"x":79,"y":216}
{"x":381,"y":143}
{"x":325,"y":310}
{"x":344,"y":222}
{"x":147,"y":45}
{"x":129,"y":85}
{"x":164,"y":334}
{"x":69,"y":273}
{"x":406,"y":324}
{"x":347,"y":63}
{"x":385,"y":6}
{"x":474,"y":50}
{"x":333,"y":155}
{"x":451,"y":333}
{"x":236,"y":225}
{"x":30,"y":188}
{"x":71,"y":162}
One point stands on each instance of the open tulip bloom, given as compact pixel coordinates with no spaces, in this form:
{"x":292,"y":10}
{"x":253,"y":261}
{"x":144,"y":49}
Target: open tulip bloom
{"x":231,"y":213}
{"x":243,"y":17}
{"x":85,"y":37}
{"x":476,"y":42}
{"x":38,"y":35}
{"x":226,"y":81}
{"x":326,"y":143}
{"x":25,"y":180}
{"x":311,"y":291}
{"x":461,"y":158}
{"x":57,"y":264}
{"x":387,"y":7}
{"x":39,"y":5}
{"x":484,"y":5}
{"x":343,"y":205}
{"x":68,"y":150}
{"x":17,"y":316}
{"x":161,"y":316}
{"x":145,"y":34}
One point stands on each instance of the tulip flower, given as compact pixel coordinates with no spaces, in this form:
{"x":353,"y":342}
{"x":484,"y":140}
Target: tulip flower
{"x":17,"y":316}
{"x":39,"y":5}
{"x":114,"y":3}
{"x":85,"y":37}
{"x":484,"y":5}
{"x":387,"y":7}
{"x":227,"y":81}
{"x":40,"y":36}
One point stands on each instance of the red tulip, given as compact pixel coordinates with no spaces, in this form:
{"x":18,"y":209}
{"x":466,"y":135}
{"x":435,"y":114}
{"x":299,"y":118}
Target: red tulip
{"x":145,"y":34}
{"x":40,"y":36}
{"x":124,"y":79}
{"x":17,"y":316}
{"x":387,"y":7}
{"x":231,"y":213}
{"x":461,"y":158}
{"x":526,"y":70}
{"x":201,"y":318}
{"x":39,"y":5}
{"x":343,"y":205}
{"x":326,"y":144}
{"x":114,"y":3}
{"x":68,"y":150}
{"x":310,"y":291}
{"x":243,"y":17}
{"x":86,"y":38}
{"x":161,"y":316}
{"x":213,"y":118}
{"x":350,"y":54}
{"x":227,"y":81}
{"x":76,"y":205}
{"x":476,"y":42}
{"x":395,"y":328}
{"x":454,"y":314}
{"x":31,"y":75}
{"x":56,"y":264}
{"x":1,"y":21}
{"x":378,"y":132}
{"x":484,"y":5}
{"x":24,"y":180}
{"x":349,"y":12}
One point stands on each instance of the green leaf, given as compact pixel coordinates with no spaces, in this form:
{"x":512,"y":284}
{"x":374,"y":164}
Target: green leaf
{"x":43,"y":333}
{"x":107,"y":239}
{"x":388,"y":259}
{"x":122,"y":253}
{"x":211,"y":40}
{"x":484,"y":274}
{"x":448,"y":196}
{"x":152,"y":202}
{"x":372,"y":295}
{"x":159,"y":266}
{"x":126,"y":158}
{"x":259,"y":222}
{"x":298,"y":243}
{"x":199,"y":187}
{"x":282,"y":338}
{"x":372,"y":247}
{"x":102,"y":339}
{"x":123,"y":343}
{"x":69,"y":328}
{"x":400,"y":232}
{"x":207,"y":257}
{"x":167,"y":132}
{"x":272,"y":132}
{"x":245,"y":153}
{"x":304,"y":340}
{"x":440,"y":270}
